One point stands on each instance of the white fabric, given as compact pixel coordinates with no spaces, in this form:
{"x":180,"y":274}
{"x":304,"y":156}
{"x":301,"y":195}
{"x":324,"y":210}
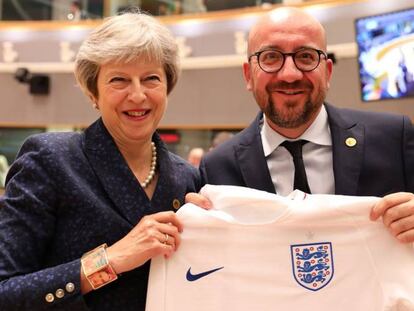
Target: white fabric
{"x":249,"y":234}
{"x":317,"y":157}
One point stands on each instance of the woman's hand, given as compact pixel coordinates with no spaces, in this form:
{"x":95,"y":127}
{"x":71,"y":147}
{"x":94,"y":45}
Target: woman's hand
{"x":156,"y":234}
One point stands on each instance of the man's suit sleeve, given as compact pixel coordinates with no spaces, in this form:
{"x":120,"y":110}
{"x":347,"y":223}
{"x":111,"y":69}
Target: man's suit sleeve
{"x":27,"y":228}
{"x":203,"y":173}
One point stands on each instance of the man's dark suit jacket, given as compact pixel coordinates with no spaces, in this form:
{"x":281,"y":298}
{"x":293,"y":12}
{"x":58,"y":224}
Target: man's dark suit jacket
{"x":66,"y":194}
{"x":382,"y":161}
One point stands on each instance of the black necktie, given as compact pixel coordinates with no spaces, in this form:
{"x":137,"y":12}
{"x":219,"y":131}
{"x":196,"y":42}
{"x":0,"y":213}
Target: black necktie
{"x":295,"y":149}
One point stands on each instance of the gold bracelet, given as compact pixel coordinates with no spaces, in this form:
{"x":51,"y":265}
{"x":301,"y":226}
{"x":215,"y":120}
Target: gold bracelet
{"x":96,"y":267}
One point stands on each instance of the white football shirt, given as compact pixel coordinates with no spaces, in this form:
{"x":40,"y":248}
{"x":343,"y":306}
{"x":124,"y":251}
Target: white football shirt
{"x":259,"y":251}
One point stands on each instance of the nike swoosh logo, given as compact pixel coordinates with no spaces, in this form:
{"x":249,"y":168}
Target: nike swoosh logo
{"x":194,"y":277}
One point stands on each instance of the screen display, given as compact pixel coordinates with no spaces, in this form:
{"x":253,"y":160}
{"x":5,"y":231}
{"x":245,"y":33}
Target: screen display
{"x":386,"y":55}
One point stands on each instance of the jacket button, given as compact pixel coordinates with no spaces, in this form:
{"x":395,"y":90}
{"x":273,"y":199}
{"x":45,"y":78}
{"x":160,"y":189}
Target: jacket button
{"x":176,"y":204}
{"x":70,"y":287}
{"x":49,"y":297}
{"x":59,"y":293}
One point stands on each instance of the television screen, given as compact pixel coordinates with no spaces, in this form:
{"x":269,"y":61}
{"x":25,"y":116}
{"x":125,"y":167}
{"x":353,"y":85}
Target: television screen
{"x":386,"y":55}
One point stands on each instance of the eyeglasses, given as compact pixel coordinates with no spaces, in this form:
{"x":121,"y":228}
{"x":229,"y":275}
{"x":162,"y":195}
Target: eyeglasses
{"x":271,"y":60}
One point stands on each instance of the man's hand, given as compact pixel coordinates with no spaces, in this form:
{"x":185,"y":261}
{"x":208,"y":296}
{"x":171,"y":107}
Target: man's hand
{"x":397,"y":212}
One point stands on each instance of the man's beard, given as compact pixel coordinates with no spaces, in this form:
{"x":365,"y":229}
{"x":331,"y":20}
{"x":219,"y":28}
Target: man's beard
{"x":290,"y":117}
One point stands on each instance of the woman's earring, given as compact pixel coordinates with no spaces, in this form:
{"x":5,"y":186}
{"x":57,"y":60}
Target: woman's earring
{"x":95,"y":106}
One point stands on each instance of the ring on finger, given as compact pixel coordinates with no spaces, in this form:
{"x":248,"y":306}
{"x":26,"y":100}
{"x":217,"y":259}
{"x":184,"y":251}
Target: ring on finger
{"x":166,"y":238}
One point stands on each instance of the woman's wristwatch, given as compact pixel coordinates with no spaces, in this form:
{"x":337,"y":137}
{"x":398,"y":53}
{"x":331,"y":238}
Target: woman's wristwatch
{"x":96,"y":267}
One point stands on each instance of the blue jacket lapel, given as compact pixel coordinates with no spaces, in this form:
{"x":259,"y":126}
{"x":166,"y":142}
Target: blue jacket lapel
{"x":114,"y":174}
{"x":249,"y":154}
{"x":347,"y":160}
{"x":168,"y":184}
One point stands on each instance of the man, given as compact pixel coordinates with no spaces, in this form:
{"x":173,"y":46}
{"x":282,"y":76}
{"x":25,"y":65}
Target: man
{"x":220,"y":138}
{"x":346,"y":152}
{"x":75,"y":12}
{"x":194,"y":156}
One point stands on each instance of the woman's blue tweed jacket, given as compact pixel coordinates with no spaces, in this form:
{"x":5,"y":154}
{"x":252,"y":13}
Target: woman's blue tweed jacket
{"x":66,"y":194}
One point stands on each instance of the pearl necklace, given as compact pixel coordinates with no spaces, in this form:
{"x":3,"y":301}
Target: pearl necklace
{"x":151,"y":173}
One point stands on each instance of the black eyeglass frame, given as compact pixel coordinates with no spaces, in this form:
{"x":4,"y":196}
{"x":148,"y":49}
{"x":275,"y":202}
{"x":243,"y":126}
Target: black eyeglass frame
{"x":257,"y":54}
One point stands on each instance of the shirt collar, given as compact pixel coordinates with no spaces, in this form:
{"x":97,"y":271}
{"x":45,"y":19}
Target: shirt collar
{"x":318,"y":133}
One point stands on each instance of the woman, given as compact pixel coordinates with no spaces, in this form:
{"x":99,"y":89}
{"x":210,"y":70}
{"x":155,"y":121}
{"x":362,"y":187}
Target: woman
{"x":69,"y":193}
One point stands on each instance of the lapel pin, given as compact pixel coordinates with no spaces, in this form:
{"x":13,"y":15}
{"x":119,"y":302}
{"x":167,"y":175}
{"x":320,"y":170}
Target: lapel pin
{"x":350,"y":142}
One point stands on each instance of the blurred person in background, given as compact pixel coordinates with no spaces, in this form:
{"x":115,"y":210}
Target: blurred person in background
{"x":220,"y":138}
{"x":83,"y":213}
{"x":4,"y":167}
{"x":194,"y":156}
{"x":75,"y":12}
